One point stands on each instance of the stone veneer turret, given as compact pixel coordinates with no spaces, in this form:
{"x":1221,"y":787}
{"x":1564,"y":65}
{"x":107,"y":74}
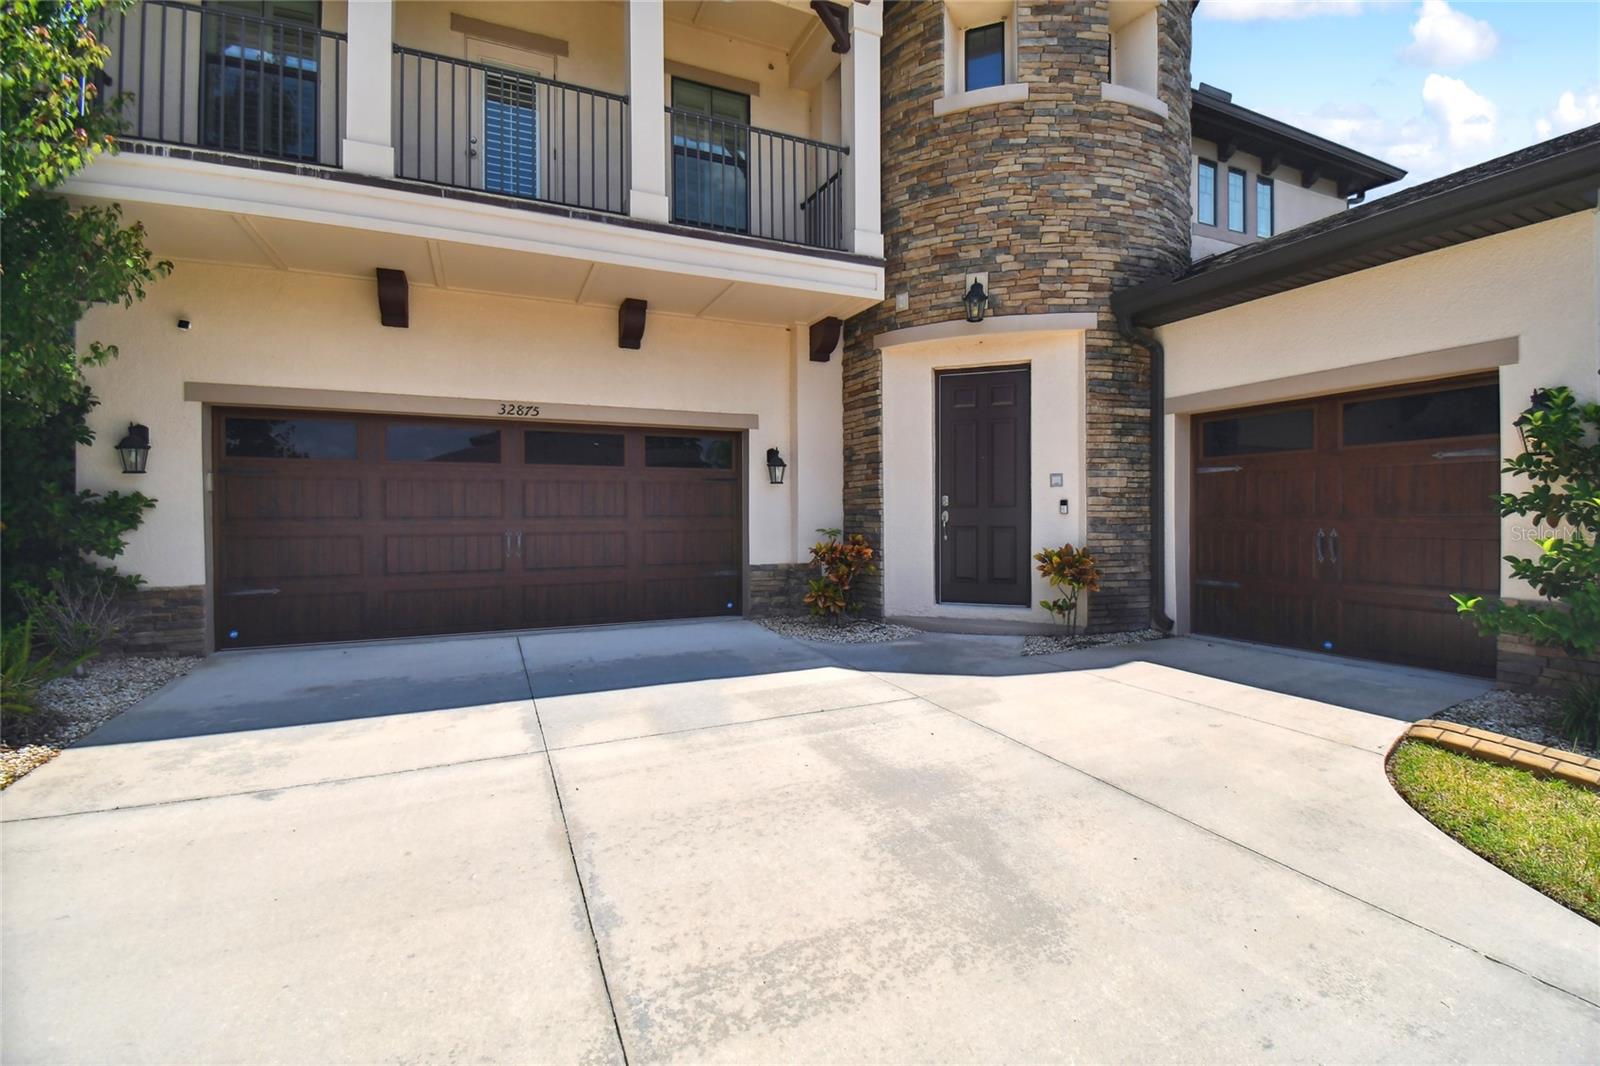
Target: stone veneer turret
{"x":1061,"y":198}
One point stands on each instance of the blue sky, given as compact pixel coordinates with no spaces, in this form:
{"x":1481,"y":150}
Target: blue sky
{"x":1428,"y":85}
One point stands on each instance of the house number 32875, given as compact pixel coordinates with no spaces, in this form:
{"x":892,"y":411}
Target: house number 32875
{"x":520,"y":410}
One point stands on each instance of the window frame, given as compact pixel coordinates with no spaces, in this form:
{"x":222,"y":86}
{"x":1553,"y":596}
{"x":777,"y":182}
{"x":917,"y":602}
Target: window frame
{"x":1264,"y":182}
{"x":1244,"y":201}
{"x":1002,"y":54}
{"x":1205,"y":166}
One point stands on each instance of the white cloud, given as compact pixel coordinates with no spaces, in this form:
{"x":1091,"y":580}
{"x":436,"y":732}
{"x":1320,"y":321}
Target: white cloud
{"x":1573,"y":110}
{"x":1468,"y":117}
{"x":1454,"y":127}
{"x":1251,"y":10}
{"x":1444,"y":37}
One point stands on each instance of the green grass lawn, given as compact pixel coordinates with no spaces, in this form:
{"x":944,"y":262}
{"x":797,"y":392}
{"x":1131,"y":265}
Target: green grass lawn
{"x":1540,"y":830}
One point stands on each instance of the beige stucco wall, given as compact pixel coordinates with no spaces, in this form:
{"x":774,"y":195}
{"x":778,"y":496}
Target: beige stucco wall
{"x":1538,"y":286}
{"x":283,"y":329}
{"x":1057,"y":446}
{"x":1295,"y":206}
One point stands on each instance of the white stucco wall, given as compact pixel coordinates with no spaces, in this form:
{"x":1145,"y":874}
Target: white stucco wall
{"x":295,"y":330}
{"x":1539,"y":285}
{"x":909,"y":403}
{"x":1293,"y":206}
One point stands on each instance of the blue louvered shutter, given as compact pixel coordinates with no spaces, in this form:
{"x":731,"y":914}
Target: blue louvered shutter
{"x":510,"y":135}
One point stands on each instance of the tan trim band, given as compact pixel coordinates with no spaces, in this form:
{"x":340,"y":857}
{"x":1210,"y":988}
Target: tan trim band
{"x":1446,"y":362}
{"x":395,"y":403}
{"x":493,"y":31}
{"x":712,"y":78}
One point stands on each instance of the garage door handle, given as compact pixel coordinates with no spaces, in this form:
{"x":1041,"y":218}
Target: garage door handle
{"x":1322,"y":536}
{"x":1333,"y":546}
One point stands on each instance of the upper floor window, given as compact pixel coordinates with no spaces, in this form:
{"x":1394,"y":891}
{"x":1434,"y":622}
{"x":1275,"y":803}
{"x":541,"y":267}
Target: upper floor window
{"x":980,"y":56}
{"x":1236,"y":200}
{"x":985,"y":57}
{"x":711,"y":153}
{"x":1206,"y":193}
{"x":1263,"y":206}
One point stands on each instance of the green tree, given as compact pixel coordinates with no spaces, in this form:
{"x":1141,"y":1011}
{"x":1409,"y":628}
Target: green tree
{"x":1560,"y":462}
{"x":56,"y":261}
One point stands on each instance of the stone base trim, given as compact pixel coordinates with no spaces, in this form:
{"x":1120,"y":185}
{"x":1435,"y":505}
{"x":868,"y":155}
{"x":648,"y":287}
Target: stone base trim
{"x":778,"y":589}
{"x":1508,"y":751}
{"x":165,"y":621}
{"x":1520,"y":663}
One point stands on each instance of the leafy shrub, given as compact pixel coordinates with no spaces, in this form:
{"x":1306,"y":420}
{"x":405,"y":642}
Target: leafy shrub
{"x":1561,"y":462}
{"x":1580,"y":713}
{"x":77,"y":618}
{"x":1071,"y":572}
{"x":22,"y":671}
{"x":839,"y":564}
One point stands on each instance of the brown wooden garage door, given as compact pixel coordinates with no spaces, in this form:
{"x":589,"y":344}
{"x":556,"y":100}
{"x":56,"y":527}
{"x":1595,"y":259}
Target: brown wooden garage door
{"x":1344,"y":523}
{"x":340,"y":527}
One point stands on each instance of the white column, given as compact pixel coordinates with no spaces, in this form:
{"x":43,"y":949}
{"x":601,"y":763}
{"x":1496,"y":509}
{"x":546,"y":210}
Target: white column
{"x":647,"y":139}
{"x":369,"y":88}
{"x":858,"y":82}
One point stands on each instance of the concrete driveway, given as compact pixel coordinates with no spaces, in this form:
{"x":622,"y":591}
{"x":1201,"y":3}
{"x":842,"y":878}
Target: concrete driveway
{"x":706,"y":842}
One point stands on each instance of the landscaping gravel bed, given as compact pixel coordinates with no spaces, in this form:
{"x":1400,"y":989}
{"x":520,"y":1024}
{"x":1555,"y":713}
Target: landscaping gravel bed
{"x":855,"y":631}
{"x":1534,"y":718}
{"x":72,"y":707}
{"x":1050,"y":643}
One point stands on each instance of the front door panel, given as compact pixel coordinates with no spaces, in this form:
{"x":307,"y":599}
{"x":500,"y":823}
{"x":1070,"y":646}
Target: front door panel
{"x":982,"y":508}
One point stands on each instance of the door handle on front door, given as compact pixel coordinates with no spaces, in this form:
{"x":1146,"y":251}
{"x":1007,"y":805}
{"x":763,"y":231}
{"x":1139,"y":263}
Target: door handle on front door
{"x":1322,"y":535}
{"x":944,"y":525}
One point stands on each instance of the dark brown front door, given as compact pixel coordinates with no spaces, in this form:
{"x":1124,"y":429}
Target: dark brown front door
{"x":982,"y":510}
{"x":1344,"y":523}
{"x":341,"y":527}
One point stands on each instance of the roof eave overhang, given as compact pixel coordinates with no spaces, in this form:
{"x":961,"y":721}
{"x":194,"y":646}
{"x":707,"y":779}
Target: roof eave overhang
{"x":1266,"y":138}
{"x":1546,"y":189}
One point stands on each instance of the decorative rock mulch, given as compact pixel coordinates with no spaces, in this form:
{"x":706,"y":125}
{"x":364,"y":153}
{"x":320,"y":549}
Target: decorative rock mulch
{"x":1050,"y":643}
{"x":1509,"y":751}
{"x":72,"y":707}
{"x":853,"y":631}
{"x":1524,"y":715}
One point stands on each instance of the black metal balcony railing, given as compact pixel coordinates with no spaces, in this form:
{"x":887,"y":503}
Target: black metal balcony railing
{"x":737,"y":178}
{"x":213,"y":78}
{"x":477,"y":126}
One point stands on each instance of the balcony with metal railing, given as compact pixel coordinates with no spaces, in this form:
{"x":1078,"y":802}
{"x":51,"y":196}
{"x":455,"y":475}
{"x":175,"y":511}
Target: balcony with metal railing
{"x":245,"y":85}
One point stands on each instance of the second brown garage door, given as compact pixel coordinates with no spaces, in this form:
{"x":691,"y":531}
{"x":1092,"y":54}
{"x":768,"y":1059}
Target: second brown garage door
{"x":341,"y":527}
{"x":1344,"y":523}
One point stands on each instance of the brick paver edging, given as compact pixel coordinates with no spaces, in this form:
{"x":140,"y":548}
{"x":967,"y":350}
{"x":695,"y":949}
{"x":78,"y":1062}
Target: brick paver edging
{"x":1496,"y":747}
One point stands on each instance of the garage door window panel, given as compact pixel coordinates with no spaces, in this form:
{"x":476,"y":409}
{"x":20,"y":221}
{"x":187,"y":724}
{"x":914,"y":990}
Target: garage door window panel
{"x":438,"y":443}
{"x":1258,"y":434}
{"x":288,"y":438}
{"x":544,"y":447}
{"x":689,"y":453}
{"x":1464,"y":412}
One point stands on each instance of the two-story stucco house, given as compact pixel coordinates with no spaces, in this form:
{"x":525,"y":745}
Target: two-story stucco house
{"x":503,"y":315}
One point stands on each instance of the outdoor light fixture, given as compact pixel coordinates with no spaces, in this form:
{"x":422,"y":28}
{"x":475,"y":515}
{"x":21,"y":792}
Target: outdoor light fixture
{"x":775,"y":466}
{"x":977,"y":301}
{"x":1537,"y":403}
{"x":134,"y":449}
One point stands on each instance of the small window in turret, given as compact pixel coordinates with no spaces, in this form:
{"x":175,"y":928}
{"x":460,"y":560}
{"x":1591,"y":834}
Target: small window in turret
{"x":985,"y":56}
{"x":1135,"y":58}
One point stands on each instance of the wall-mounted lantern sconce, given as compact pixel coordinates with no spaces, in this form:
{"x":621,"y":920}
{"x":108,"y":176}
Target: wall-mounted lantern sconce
{"x":134,"y":449}
{"x":976,"y":301}
{"x":776,"y":467}
{"x":1539,"y":402}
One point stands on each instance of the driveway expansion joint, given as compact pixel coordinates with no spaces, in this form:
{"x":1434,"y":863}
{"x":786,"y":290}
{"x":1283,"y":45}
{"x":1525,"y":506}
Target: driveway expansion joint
{"x":572,"y":853}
